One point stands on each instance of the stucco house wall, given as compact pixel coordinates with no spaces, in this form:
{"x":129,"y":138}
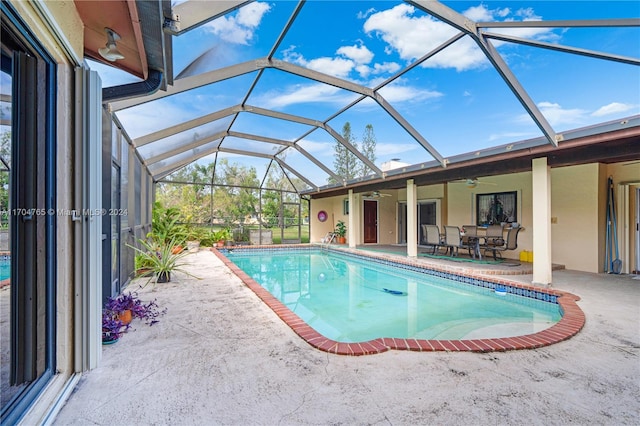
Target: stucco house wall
{"x":578,"y":211}
{"x":575,"y":209}
{"x":461,"y":204}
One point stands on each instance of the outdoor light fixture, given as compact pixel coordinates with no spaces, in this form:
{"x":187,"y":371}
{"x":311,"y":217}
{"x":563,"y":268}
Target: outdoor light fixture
{"x":110,"y":52}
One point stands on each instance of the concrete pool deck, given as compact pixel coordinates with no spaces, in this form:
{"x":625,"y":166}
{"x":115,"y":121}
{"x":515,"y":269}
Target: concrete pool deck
{"x":221,"y":356}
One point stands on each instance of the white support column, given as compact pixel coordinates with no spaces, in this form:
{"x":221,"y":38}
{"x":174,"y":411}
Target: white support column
{"x":412,"y":219}
{"x":353,"y":230}
{"x":541,"y":186}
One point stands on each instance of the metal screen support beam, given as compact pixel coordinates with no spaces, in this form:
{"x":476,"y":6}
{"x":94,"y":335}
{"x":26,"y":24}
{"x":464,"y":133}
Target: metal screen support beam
{"x":180,"y":150}
{"x":464,"y":24}
{"x":191,"y":14}
{"x":300,"y":176}
{"x":566,"y":49}
{"x":409,"y":128}
{"x":188,"y":83}
{"x":182,"y":127}
{"x":318,"y":163}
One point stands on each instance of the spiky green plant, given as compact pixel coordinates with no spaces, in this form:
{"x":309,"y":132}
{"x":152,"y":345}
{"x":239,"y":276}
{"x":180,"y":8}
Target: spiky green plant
{"x":160,"y":259}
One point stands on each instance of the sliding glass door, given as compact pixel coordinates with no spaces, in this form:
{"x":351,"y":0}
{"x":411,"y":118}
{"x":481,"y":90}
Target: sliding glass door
{"x":27,"y":217}
{"x":427,"y":215}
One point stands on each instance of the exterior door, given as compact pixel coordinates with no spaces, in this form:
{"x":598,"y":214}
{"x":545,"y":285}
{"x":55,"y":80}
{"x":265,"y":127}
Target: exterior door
{"x":427,"y":211}
{"x":370,"y":221}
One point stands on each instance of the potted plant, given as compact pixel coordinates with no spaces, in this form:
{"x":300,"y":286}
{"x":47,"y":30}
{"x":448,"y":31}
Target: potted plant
{"x":142,"y":265}
{"x":161,"y":260}
{"x":221,"y":236}
{"x":120,"y":310}
{"x":112,"y":327}
{"x":341,"y":232}
{"x":166,"y":227}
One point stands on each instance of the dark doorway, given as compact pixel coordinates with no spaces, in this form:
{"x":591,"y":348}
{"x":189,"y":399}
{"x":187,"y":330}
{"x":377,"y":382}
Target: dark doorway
{"x":370,"y":221}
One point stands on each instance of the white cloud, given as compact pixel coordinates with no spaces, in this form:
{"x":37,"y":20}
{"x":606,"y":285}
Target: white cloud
{"x":399,"y":92}
{"x":338,"y":67}
{"x":363,"y":15}
{"x":556,"y":115}
{"x":359,"y":54}
{"x":386,"y":67}
{"x":312,"y":93}
{"x":412,"y":36}
{"x":612,"y":108}
{"x":251,"y":15}
{"x":239,"y":28}
{"x":349,"y":58}
{"x":316,"y":147}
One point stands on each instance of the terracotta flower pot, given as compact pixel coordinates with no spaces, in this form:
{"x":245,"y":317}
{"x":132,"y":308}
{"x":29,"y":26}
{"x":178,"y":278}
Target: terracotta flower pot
{"x":177,"y":249}
{"x":125,"y":317}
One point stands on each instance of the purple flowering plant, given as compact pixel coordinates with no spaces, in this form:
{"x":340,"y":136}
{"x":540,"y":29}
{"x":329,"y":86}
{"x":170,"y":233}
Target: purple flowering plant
{"x":113,"y":327}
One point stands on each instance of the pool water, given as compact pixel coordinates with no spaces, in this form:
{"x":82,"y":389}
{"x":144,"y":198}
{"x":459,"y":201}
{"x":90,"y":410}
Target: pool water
{"x":5,"y":269}
{"x":352,"y":300}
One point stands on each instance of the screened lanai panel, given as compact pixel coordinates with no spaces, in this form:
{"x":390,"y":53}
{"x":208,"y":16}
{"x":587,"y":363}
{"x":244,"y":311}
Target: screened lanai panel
{"x":374,"y":127}
{"x":280,"y":128}
{"x":292,"y":94}
{"x":233,"y":169}
{"x":200,"y":171}
{"x":180,"y":160}
{"x":585,"y":98}
{"x":466,"y":105}
{"x":172,"y":110}
{"x":258,"y":147}
{"x":541,"y":10}
{"x":302,"y":164}
{"x":190,"y":138}
{"x":244,"y":34}
{"x":349,"y":50}
{"x":277,"y":179}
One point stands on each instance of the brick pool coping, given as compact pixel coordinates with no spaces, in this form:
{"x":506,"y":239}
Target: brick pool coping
{"x":570,"y":324}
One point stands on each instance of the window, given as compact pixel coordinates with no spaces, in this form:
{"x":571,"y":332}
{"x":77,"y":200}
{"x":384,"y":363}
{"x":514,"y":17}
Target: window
{"x":27,"y":127}
{"x":499,"y":207}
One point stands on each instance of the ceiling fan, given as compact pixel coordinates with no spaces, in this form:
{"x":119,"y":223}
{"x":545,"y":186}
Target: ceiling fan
{"x":472,"y":183}
{"x":376,"y":194}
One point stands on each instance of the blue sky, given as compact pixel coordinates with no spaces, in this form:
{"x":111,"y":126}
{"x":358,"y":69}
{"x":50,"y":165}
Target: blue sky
{"x":455,"y":100}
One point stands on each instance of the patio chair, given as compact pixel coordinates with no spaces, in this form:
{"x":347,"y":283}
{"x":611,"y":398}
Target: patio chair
{"x":453,"y":240}
{"x":431,"y":237}
{"x":510,"y":244}
{"x":494,"y":236}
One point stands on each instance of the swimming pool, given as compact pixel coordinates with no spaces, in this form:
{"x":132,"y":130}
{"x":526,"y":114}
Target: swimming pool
{"x":5,"y":268}
{"x":357,"y":304}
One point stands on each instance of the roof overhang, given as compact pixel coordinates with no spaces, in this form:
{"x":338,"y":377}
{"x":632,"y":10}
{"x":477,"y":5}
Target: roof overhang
{"x":139,"y":24}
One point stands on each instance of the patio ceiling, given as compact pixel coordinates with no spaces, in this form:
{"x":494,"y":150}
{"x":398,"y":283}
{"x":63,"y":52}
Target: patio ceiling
{"x":275,"y":99}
